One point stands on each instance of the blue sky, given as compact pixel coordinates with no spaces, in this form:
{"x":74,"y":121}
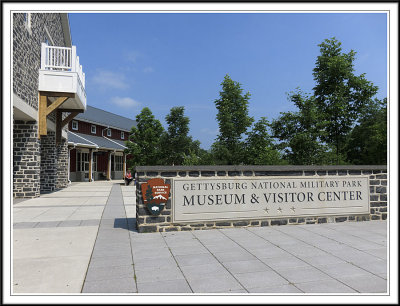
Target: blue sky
{"x":161,"y":60}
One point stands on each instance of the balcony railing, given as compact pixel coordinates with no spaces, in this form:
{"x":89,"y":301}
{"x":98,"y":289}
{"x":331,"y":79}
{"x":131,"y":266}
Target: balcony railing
{"x":62,"y":59}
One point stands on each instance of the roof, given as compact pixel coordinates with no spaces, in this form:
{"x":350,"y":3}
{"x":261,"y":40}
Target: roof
{"x":91,"y":141}
{"x":102,"y":117}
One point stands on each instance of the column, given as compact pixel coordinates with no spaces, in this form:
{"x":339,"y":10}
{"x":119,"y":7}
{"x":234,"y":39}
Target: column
{"x":109,"y":167}
{"x":90,"y":164}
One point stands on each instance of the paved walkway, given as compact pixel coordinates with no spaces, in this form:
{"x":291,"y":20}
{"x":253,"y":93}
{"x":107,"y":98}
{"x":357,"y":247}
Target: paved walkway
{"x":83,"y":239}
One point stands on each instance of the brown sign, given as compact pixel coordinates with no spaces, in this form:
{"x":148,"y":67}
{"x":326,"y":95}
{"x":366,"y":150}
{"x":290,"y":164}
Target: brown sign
{"x":155,"y":194}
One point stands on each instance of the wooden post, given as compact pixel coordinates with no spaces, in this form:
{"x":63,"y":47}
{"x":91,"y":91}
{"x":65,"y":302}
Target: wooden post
{"x":109,"y":166}
{"x":58,"y":126}
{"x":90,"y":164}
{"x":42,"y":114}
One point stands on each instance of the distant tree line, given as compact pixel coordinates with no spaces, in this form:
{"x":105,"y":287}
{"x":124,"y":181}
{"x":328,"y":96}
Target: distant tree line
{"x":340,"y":123}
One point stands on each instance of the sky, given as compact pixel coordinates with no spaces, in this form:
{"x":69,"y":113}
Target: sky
{"x":162,"y":60}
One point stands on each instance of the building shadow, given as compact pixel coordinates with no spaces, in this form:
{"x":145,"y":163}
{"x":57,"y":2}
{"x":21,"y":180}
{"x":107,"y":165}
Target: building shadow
{"x":125,"y":223}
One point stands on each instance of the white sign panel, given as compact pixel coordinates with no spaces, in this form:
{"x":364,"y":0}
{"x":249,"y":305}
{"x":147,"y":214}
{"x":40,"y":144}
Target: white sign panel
{"x":205,"y":199}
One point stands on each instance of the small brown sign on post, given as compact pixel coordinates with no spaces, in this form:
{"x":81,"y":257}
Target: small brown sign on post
{"x":155,"y":194}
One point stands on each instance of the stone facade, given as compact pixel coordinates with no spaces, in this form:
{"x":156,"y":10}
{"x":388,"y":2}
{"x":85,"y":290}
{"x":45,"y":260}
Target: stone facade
{"x":27,"y":41}
{"x":26,"y":160}
{"x":163,"y":223}
{"x":62,"y":164}
{"x":48,"y":164}
{"x":38,"y":165}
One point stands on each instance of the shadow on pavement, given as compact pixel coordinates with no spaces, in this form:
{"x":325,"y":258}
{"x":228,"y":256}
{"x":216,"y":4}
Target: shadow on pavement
{"x":125,"y":223}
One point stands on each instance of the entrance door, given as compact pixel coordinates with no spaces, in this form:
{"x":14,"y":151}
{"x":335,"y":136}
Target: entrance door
{"x":85,"y":165}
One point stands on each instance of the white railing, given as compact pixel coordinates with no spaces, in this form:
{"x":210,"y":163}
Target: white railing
{"x":62,"y":59}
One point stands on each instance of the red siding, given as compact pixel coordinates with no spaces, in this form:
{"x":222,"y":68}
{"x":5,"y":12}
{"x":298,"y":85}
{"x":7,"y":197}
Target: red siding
{"x":102,"y":161}
{"x":85,"y":128}
{"x":72,"y":163}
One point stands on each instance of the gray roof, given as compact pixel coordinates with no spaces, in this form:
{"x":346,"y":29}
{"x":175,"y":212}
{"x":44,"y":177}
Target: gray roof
{"x":102,"y":117}
{"x":95,"y":141}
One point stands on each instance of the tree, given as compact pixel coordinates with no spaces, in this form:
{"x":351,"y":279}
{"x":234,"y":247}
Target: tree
{"x":259,"y":146}
{"x":339,"y":94}
{"x":233,"y":120}
{"x":300,"y":132}
{"x":144,"y":141}
{"x":175,"y":141}
{"x":367,"y":141}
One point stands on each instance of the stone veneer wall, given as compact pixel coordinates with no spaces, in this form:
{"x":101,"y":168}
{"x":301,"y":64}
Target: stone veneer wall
{"x":26,"y":160}
{"x":48,"y":165}
{"x":162,"y":223}
{"x":62,"y":164}
{"x":27,"y":51}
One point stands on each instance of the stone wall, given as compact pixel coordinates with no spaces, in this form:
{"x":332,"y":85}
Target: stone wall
{"x":27,"y":51}
{"x":26,"y":160}
{"x":62,"y":164}
{"x":48,"y":164}
{"x":163,"y":223}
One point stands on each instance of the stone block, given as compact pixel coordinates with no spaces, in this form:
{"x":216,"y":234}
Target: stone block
{"x":233,"y":173}
{"x":147,"y":228}
{"x":309,"y":173}
{"x":207,"y":173}
{"x":380,"y":189}
{"x":168,"y":174}
{"x":279,"y":222}
{"x":241,"y":223}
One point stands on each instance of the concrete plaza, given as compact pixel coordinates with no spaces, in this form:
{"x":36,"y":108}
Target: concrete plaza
{"x":83,"y":240}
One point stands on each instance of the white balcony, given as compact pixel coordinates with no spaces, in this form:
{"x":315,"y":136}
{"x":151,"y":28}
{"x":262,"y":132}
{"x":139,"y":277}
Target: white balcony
{"x":61,"y":72}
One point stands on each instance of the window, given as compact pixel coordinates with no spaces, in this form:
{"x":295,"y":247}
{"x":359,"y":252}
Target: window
{"x":82,"y":161}
{"x":27,"y":21}
{"x":109,"y":132}
{"x":122,"y":135}
{"x":118,"y":160}
{"x":93,"y":129}
{"x":74,"y":125}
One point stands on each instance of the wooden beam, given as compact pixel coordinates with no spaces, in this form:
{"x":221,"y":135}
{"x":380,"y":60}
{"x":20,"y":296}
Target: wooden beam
{"x":58,"y":94}
{"x":68,"y":118}
{"x":42,"y":115}
{"x":58,"y":126}
{"x":70,"y":110}
{"x":109,"y":166}
{"x":56,"y":104}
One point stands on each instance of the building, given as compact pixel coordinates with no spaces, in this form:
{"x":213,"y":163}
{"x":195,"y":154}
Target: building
{"x":96,"y":144}
{"x":48,"y":92}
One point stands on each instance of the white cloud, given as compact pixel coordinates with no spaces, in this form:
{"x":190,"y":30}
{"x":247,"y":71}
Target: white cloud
{"x":125,"y":102}
{"x":132,"y":56}
{"x":110,"y":79}
{"x":148,"y":70}
{"x":209,"y":131}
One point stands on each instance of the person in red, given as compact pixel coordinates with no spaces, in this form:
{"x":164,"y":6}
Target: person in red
{"x":128,"y":177}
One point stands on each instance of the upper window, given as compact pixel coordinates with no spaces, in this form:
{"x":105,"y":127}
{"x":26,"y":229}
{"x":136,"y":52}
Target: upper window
{"x":93,"y":129}
{"x":75,"y":125}
{"x":122,"y":135}
{"x":27,"y":21}
{"x":109,"y":132}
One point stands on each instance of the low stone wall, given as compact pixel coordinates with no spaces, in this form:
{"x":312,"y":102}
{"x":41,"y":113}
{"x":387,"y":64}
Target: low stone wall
{"x":146,"y":222}
{"x":26,"y":160}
